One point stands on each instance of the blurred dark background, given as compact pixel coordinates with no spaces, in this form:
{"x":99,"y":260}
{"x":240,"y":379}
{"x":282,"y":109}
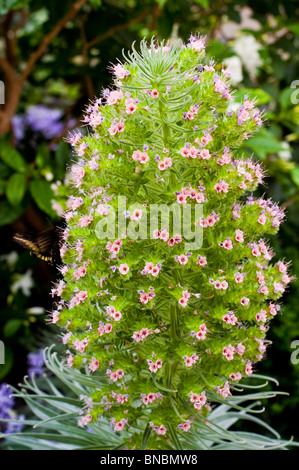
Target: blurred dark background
{"x":53,"y":60}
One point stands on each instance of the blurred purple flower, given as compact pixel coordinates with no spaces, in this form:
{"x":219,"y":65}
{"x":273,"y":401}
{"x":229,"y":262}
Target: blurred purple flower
{"x":6,"y":400}
{"x":35,"y":363}
{"x":39,"y":118}
{"x":18,"y":126}
{"x":13,"y":427}
{"x":44,"y":120}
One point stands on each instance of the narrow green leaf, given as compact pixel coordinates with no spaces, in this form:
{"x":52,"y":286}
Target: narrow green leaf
{"x":11,"y":327}
{"x":16,"y":188}
{"x":13,"y":158}
{"x":42,"y":194}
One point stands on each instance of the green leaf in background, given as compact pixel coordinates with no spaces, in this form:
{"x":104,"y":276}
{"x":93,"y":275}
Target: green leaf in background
{"x":262,"y":96}
{"x":295,"y":175}
{"x":5,"y":171}
{"x":5,"y":368}
{"x":13,"y":158}
{"x":2,"y":187}
{"x":294,"y":28}
{"x":161,"y":3}
{"x":62,"y":155}
{"x":16,"y":188}
{"x":203,"y":3}
{"x":285,"y":97}
{"x":9,"y":213}
{"x":35,"y":20}
{"x":6,"y":5}
{"x":43,"y":158}
{"x":42,"y":194}
{"x":11,"y":327}
{"x":265,"y":143}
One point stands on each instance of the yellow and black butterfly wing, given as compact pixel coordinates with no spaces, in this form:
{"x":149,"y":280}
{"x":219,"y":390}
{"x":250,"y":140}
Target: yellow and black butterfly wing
{"x":44,"y":245}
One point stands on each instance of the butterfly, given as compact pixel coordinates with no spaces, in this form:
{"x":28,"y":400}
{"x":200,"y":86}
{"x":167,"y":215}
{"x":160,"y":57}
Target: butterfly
{"x":44,"y":245}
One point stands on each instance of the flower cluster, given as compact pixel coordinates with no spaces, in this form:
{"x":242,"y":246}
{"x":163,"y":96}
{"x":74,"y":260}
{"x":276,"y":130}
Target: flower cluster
{"x":203,"y":311}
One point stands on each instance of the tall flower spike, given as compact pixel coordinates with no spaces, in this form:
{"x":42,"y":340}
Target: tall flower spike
{"x":166,"y":327}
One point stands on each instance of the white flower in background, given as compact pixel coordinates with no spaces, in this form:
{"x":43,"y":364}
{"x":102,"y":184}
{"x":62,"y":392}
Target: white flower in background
{"x":11,"y":258}
{"x":230,"y":30}
{"x":48,"y":175}
{"x":247,"y":48}
{"x":23,"y":282}
{"x":285,"y":154}
{"x":35,"y":310}
{"x":234,"y":67}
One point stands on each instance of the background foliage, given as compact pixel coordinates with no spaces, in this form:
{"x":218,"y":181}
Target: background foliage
{"x":53,"y":59}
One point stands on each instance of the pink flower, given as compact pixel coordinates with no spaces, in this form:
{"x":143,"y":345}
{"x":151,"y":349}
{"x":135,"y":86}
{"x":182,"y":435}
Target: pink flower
{"x":182,"y":259}
{"x":185,"y":152}
{"x":236,"y":376}
{"x":164,"y":235}
{"x":148,"y":267}
{"x":278,"y":288}
{"x":239,"y":277}
{"x":119,"y":426}
{"x":153,"y":367}
{"x":80,"y":272}
{"x":81,"y":345}
{"x":183,"y":302}
{"x":239,"y":235}
{"x":164,"y":164}
{"x":120,"y":72}
{"x":282,"y":268}
{"x":248,"y":368}
{"x":85,"y":220}
{"x":224,"y":392}
{"x":141,"y":157}
{"x":184,"y":426}
{"x":262,"y":219}
{"x":221,"y":187}
{"x":202,"y":260}
{"x":193,"y":152}
{"x":201,"y":334}
{"x":116,"y":316}
{"x":240,"y":349}
{"x":230,"y":318}
{"x":85,"y":420}
{"x":220,"y":285}
{"x":206,"y":138}
{"x":245,"y":301}
{"x":155,"y":271}
{"x":154,"y":93}
{"x":181,"y":199}
{"x":94,"y":365}
{"x":227,"y":244}
{"x":273,"y":309}
{"x":162,"y":430}
{"x":263,"y":290}
{"x":205,"y":154}
{"x":137,"y":214}
{"x":74,"y":202}
{"x":198,"y":44}
{"x":124,"y":269}
{"x":200,"y":197}
{"x":120,"y":373}
{"x":114,"y":97}
{"x":130,"y":106}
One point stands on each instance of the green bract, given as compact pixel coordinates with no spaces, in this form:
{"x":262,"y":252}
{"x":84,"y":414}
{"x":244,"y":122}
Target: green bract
{"x":168,"y":288}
